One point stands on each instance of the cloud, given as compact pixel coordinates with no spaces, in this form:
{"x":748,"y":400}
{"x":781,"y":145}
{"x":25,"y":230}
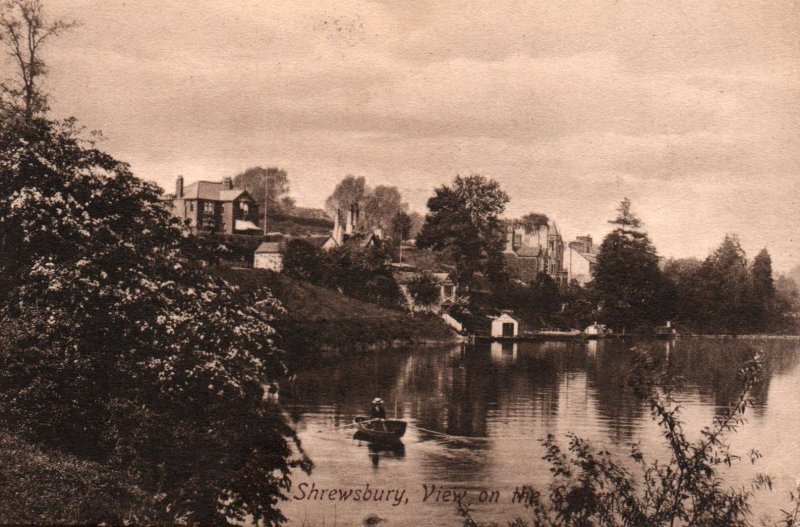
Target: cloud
{"x":569,"y":105}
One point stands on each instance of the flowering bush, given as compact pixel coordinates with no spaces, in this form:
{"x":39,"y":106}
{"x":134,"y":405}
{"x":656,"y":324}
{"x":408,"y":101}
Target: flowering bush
{"x":119,"y":348}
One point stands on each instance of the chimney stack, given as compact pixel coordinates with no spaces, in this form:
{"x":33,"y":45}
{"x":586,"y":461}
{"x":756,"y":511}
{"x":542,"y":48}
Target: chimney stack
{"x":337,"y":227}
{"x":348,"y":226}
{"x":227,"y":183}
{"x":179,"y":187}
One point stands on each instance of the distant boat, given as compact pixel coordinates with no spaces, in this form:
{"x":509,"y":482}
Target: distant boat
{"x":665,"y":332}
{"x":380,"y":430}
{"x":596,"y":331}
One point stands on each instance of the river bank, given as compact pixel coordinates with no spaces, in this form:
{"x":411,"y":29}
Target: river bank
{"x":321,"y":324}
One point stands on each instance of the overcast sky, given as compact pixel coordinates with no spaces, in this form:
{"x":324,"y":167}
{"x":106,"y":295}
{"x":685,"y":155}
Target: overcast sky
{"x":690,"y":108}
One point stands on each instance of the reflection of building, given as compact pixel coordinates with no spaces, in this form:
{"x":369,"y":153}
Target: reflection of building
{"x":582,"y":259}
{"x":533,"y":250}
{"x":215,"y":207}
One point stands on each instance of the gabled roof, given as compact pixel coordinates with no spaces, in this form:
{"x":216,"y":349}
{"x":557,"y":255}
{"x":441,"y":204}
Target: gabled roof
{"x":268,"y":247}
{"x":212,"y":191}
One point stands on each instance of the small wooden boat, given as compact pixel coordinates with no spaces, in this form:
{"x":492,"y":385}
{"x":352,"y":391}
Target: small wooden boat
{"x":380,"y":430}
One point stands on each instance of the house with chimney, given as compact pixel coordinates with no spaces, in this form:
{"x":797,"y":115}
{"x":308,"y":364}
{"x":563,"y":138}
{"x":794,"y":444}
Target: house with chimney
{"x":530,"y":251}
{"x":352,"y":232}
{"x":581,"y":260}
{"x":215,"y":206}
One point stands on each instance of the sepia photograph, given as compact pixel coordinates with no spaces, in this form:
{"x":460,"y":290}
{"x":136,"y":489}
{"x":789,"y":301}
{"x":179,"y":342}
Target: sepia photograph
{"x":361,"y":263}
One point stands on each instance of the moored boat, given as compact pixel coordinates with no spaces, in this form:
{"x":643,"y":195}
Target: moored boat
{"x":596,"y":331}
{"x":380,"y":429}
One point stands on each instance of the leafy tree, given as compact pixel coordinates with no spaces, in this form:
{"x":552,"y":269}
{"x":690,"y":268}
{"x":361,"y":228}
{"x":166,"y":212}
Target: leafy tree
{"x":304,"y":261}
{"x":763,"y":288}
{"x":724,"y":289}
{"x":464,"y":223}
{"x":116,"y":346}
{"x":350,"y":190}
{"x":534,"y":221}
{"x":381,"y":207}
{"x":787,"y":295}
{"x":362,"y":273}
{"x":424,"y":290}
{"x":24,"y":30}
{"x":417,"y":221}
{"x":378,"y":207}
{"x":276,"y":183}
{"x":627,"y":278}
{"x":401,"y":227}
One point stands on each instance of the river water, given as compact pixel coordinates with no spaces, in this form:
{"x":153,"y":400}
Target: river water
{"x":495,"y":402}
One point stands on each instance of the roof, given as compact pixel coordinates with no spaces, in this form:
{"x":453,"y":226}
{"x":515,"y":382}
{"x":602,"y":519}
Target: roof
{"x":268,"y":247}
{"x":317,"y":241}
{"x":590,"y":257}
{"x":505,"y":316}
{"x":211,"y":191}
{"x":442,"y":277}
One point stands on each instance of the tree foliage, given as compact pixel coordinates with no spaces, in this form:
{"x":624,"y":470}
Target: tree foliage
{"x":273,"y":181}
{"x":627,"y":278}
{"x":24,"y":30}
{"x":463,"y":221}
{"x":378,"y":207}
{"x":117,"y":347}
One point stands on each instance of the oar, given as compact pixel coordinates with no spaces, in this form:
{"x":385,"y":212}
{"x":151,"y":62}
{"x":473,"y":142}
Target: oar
{"x":345,"y":426}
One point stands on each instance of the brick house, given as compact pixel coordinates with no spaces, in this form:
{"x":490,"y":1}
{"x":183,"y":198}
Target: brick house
{"x":215,"y":206}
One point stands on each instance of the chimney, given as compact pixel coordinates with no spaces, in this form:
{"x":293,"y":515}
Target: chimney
{"x":179,"y":187}
{"x":227,"y":183}
{"x":509,"y":240}
{"x":337,"y":227}
{"x":348,"y":226}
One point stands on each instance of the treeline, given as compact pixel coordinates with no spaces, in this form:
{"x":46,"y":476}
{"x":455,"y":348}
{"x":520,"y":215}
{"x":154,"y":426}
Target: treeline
{"x":726,"y":293}
{"x":359,"y":272}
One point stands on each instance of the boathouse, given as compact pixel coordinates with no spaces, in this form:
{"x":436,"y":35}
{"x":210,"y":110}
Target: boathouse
{"x":505,"y":326}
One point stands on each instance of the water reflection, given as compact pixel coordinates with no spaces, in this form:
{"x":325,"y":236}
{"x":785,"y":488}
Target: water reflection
{"x":494,"y":402}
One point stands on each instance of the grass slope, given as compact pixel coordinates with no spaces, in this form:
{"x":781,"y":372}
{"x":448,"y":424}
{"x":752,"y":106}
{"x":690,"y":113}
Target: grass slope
{"x":321,"y":322}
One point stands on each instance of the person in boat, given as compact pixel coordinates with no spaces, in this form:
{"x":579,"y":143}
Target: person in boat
{"x":378,"y":412}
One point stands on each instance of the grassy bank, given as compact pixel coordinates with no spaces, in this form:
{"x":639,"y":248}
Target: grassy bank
{"x":321,"y":323}
{"x":42,"y":487}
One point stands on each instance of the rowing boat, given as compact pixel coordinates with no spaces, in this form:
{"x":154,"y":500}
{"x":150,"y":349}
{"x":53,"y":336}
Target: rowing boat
{"x":381,"y":429}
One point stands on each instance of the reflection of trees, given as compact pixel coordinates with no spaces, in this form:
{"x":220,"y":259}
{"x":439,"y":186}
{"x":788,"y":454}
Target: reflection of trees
{"x":711,"y":367}
{"x":609,"y":373}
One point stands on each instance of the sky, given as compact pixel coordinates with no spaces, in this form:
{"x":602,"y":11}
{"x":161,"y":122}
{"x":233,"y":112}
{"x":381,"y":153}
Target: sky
{"x":689,"y":108}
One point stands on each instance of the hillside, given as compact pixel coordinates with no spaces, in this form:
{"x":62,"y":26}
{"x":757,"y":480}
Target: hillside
{"x":324,"y":323}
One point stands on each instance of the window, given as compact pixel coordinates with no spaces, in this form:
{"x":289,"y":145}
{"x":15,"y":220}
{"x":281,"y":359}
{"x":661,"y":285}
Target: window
{"x":208,"y":206}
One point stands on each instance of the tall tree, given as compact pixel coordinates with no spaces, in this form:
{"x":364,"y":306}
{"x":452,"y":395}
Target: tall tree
{"x":763,"y":288}
{"x":627,"y":278}
{"x":348,"y":191}
{"x":381,"y":206}
{"x":24,"y":30}
{"x":725,"y":289}
{"x":463,"y":221}
{"x":272,"y":181}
